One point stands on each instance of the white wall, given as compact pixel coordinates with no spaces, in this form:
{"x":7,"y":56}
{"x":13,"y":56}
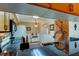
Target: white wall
{"x":43,"y":28}
{"x":74,"y":34}
{"x":46,"y":36}
{"x":21,"y":31}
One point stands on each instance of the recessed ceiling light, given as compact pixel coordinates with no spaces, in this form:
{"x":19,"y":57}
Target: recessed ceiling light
{"x":36,"y":17}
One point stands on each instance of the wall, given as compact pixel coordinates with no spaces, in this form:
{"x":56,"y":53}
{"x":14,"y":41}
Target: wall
{"x":21,"y":31}
{"x":33,"y":29}
{"x":46,"y":36}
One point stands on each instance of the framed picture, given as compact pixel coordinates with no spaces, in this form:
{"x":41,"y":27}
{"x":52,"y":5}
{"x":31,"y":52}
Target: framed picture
{"x":51,"y":27}
{"x":28,"y":28}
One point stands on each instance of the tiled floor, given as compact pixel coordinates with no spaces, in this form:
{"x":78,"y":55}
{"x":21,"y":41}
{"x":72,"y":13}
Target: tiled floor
{"x":35,"y":50}
{"x":39,"y":51}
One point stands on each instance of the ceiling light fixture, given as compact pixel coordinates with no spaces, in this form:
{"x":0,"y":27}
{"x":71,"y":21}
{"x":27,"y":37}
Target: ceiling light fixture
{"x":36,"y":17}
{"x":36,"y":24}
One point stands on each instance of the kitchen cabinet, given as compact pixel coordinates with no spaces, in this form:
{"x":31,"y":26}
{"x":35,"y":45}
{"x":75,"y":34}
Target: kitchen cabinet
{"x":73,"y":38}
{"x":70,"y":8}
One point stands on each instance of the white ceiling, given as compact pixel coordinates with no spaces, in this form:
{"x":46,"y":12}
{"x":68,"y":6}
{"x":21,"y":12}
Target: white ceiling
{"x":27,"y":9}
{"x":24,"y":9}
{"x":28,"y":18}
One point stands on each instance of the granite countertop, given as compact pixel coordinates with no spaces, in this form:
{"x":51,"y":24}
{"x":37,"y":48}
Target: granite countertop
{"x":74,"y":39}
{"x":3,"y":35}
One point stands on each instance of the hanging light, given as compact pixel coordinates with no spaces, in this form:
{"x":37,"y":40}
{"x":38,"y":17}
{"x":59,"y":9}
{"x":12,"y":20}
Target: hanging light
{"x":36,"y":24}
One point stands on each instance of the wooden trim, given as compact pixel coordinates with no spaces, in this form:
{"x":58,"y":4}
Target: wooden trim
{"x":54,"y":9}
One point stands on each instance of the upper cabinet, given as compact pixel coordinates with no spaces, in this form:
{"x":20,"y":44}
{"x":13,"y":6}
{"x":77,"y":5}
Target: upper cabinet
{"x":60,"y":7}
{"x":4,"y":22}
{"x":70,"y":8}
{"x":76,"y":8}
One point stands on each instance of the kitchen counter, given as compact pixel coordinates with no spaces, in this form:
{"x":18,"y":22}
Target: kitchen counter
{"x":4,"y":40}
